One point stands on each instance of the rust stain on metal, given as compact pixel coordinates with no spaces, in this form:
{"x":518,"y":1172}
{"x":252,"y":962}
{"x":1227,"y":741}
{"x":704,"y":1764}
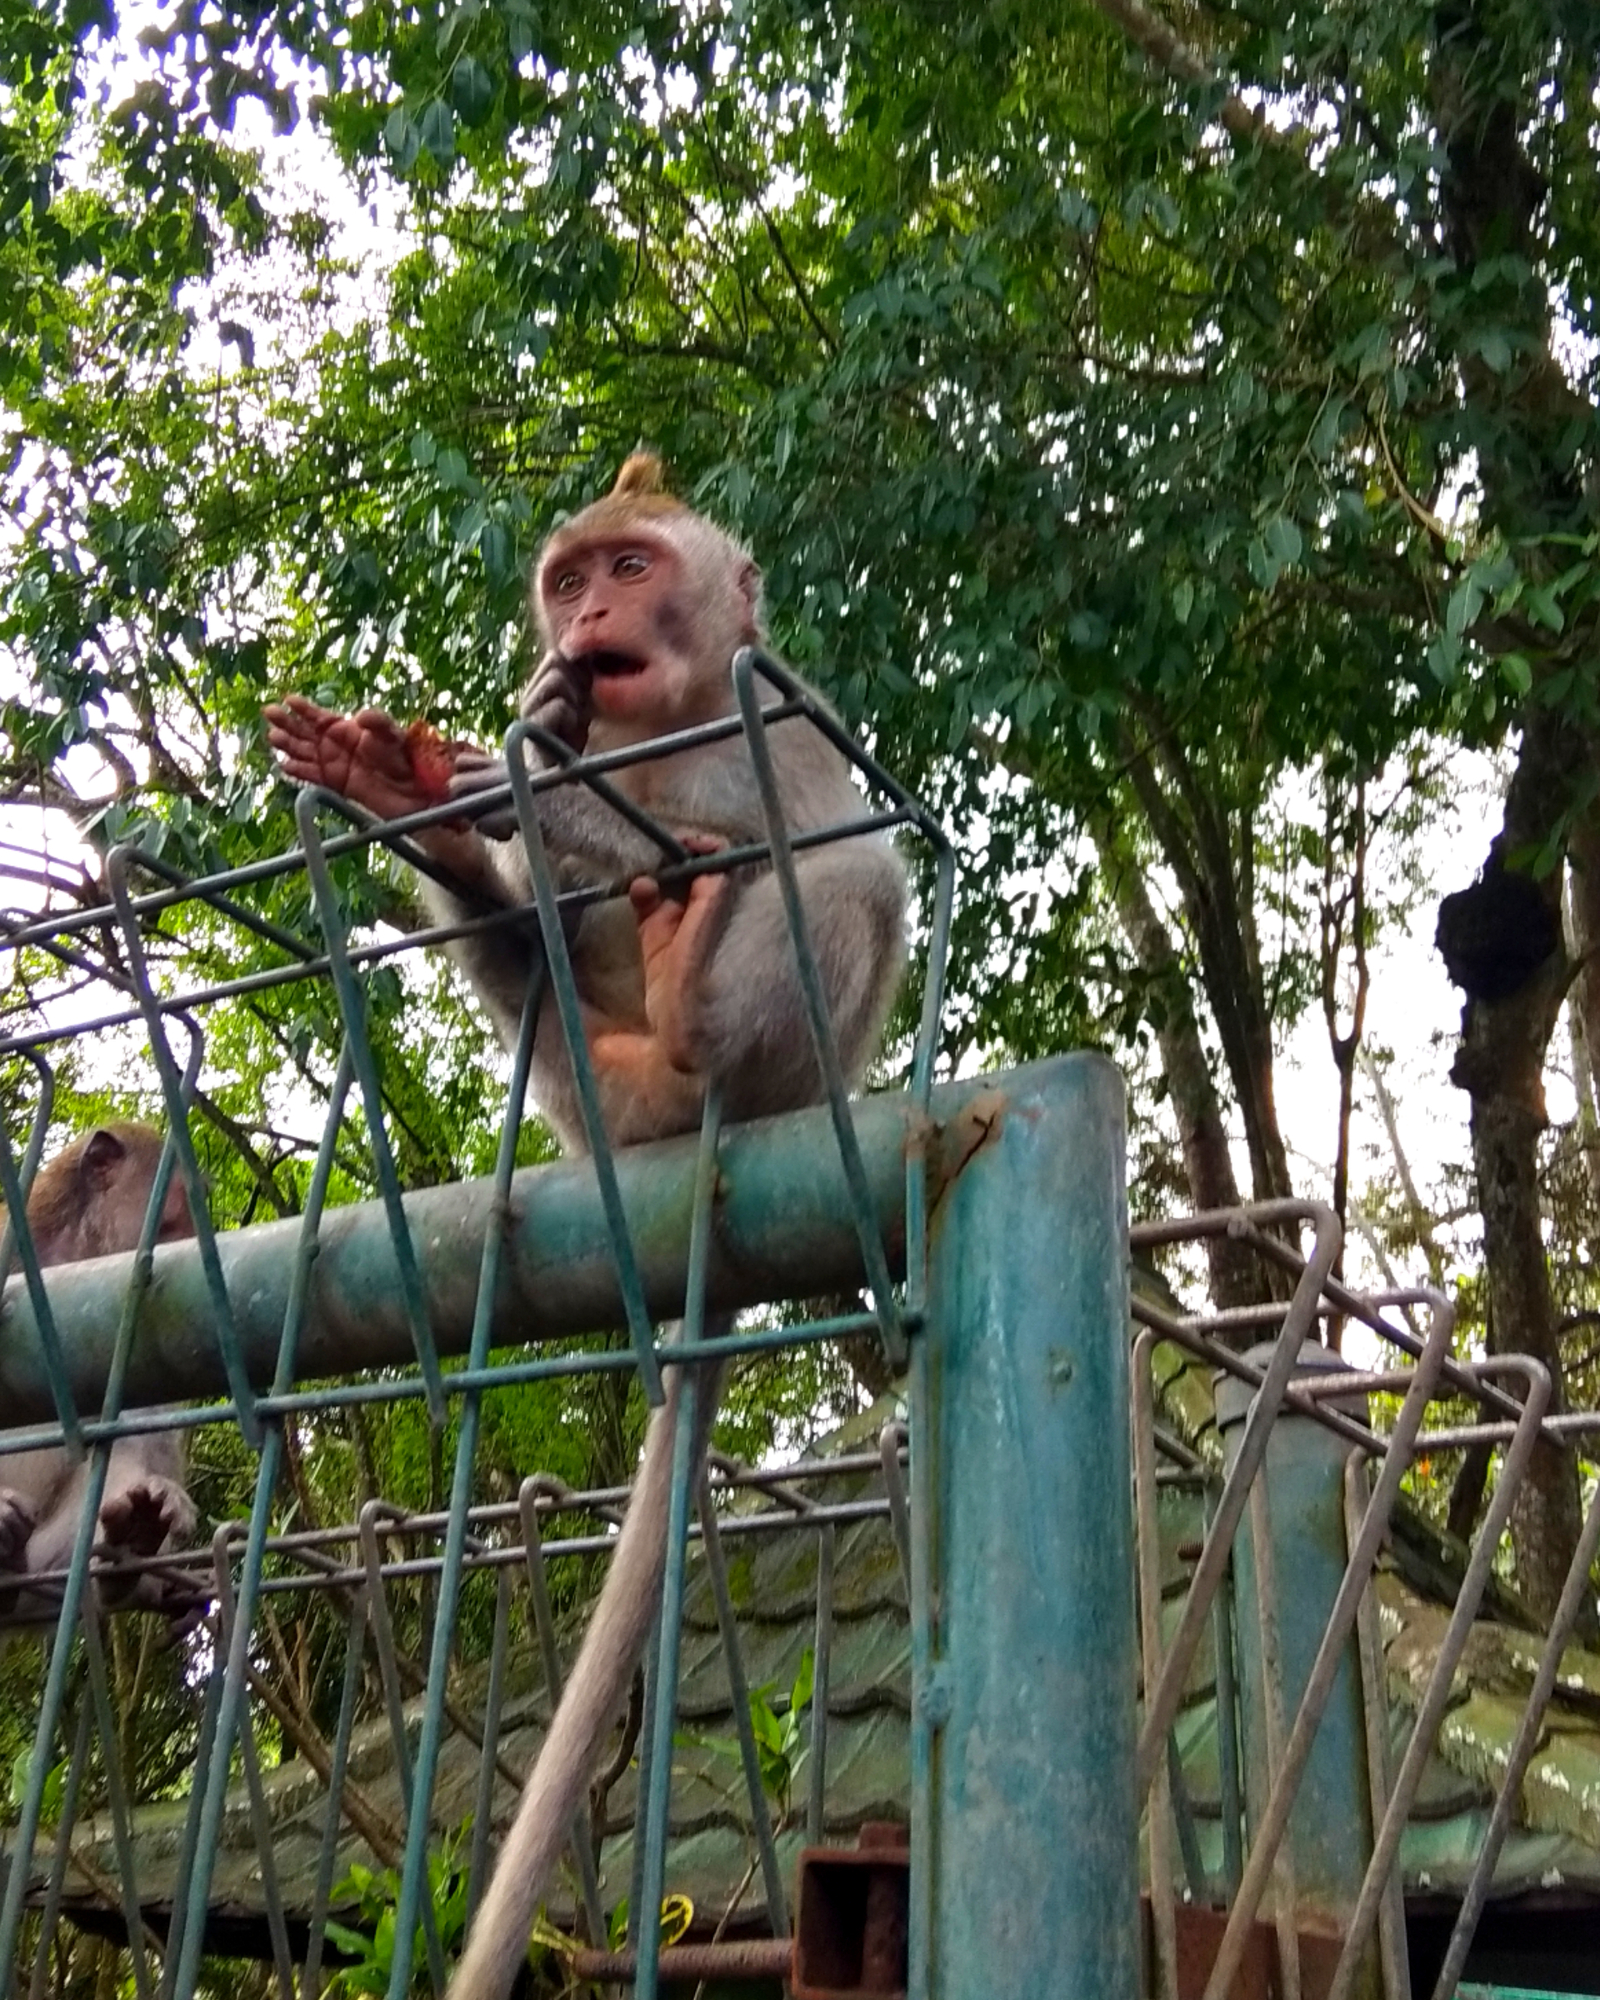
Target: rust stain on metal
{"x":852,"y":1918}
{"x":974,"y":1127}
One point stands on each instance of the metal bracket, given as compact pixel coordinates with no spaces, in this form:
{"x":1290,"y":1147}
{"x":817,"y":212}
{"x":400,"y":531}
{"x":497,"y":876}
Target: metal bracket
{"x":852,"y":1918}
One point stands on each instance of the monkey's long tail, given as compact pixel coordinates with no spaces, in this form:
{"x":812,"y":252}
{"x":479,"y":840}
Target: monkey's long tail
{"x":595,"y":1691}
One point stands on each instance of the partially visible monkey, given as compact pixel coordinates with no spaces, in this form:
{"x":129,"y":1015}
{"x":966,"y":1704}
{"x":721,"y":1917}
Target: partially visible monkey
{"x":90,"y":1201}
{"x":641,"y":605}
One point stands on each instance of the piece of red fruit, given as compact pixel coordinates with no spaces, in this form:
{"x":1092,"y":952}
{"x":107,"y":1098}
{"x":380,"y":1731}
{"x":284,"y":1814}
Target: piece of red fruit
{"x":433,"y":760}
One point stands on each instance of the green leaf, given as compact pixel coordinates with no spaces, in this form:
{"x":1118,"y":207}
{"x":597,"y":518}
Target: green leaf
{"x":1463,"y":605}
{"x":498,"y":551}
{"x":450,"y":466}
{"x":1495,"y":349}
{"x":1444,"y":658}
{"x":471,"y":91}
{"x":804,"y":1683}
{"x":1282,"y":538}
{"x":438,"y":131}
{"x":403,"y":140}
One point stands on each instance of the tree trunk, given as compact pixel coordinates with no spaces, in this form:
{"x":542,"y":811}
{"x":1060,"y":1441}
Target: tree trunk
{"x":1236,"y":1277}
{"x":1490,"y":195}
{"x":1583,"y":941}
{"x":1215,"y":870}
{"x":1500,"y":1064}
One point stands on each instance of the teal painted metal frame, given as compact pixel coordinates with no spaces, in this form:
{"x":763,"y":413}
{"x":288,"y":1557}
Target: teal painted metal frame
{"x":835,"y":1197}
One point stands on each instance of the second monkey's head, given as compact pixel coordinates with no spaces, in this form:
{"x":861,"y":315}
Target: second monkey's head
{"x":652,"y":598}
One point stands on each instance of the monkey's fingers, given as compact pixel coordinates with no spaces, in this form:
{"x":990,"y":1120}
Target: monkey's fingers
{"x":301,"y":709}
{"x":141,"y":1518}
{"x":476,"y":771}
{"x":644,"y":893}
{"x":560,"y":699}
{"x":17,"y":1522}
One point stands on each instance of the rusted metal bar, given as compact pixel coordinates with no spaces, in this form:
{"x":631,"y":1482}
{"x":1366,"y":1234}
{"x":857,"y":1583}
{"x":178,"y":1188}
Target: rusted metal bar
{"x":744,"y":1958}
{"x":1341,"y":1622}
{"x":1161,"y":1704}
{"x":1158,"y":1832}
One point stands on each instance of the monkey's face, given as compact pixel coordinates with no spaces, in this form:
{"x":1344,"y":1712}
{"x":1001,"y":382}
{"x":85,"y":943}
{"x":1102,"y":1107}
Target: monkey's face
{"x":116,"y":1224}
{"x":652,"y":624}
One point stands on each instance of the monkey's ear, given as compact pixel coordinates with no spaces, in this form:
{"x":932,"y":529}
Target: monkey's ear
{"x":750,"y":589}
{"x":103,"y":1153}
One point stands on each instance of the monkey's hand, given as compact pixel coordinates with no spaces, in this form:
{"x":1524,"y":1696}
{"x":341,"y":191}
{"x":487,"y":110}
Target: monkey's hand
{"x":366,"y":757}
{"x":477,"y":771}
{"x":557,"y":698}
{"x":677,"y":940}
{"x":17,"y":1522}
{"x":560,"y":698}
{"x":141,"y":1518}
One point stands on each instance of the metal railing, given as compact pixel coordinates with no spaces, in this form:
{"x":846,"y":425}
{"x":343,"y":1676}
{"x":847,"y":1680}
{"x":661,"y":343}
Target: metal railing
{"x":251,"y":1326}
{"x":1003,"y":1519}
{"x":1287,"y":1513}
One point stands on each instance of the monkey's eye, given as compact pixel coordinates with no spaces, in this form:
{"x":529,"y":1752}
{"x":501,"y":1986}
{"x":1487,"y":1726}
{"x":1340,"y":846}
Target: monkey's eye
{"x":568,"y":583}
{"x":630,"y":564}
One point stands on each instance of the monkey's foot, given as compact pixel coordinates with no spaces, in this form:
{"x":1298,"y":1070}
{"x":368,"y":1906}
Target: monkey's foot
{"x":17,"y":1523}
{"x":677,"y":940}
{"x":141,"y":1518}
{"x":644,"y":1094}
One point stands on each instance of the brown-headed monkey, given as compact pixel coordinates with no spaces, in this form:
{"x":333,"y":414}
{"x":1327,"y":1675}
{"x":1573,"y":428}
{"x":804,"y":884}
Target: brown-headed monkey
{"x":640,"y":604}
{"x":90,"y":1201}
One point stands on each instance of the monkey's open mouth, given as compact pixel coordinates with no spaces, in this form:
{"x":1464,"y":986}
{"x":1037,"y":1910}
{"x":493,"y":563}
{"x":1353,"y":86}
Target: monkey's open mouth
{"x":613,"y":666}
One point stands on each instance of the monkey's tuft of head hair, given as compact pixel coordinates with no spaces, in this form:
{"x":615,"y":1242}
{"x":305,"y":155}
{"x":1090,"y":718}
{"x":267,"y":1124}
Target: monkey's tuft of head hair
{"x":640,"y":494}
{"x":643,"y":472}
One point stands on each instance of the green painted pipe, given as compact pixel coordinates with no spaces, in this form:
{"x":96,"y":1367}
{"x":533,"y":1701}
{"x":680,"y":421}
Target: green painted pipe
{"x":1030,"y":1872}
{"x":783,"y":1228}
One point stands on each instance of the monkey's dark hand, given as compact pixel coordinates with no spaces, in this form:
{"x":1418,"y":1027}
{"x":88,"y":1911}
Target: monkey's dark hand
{"x":17,"y":1522}
{"x":141,"y":1518}
{"x":557,"y":699}
{"x":560,"y":698}
{"x":476,"y":771}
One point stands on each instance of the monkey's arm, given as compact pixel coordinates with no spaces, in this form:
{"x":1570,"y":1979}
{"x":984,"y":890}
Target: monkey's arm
{"x":370,"y":759}
{"x":576,"y":824}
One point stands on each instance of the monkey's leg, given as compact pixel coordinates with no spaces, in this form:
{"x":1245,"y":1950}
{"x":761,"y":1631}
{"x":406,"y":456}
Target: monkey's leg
{"x":677,"y":941}
{"x":750,"y":1027}
{"x":643,"y":1093}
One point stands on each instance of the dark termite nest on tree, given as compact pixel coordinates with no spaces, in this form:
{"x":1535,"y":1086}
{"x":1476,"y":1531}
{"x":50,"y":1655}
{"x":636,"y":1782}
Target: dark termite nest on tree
{"x":1495,"y":935}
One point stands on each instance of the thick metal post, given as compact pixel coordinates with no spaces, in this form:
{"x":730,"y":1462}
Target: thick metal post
{"x":1027,"y":1690}
{"x":1329,"y":1838}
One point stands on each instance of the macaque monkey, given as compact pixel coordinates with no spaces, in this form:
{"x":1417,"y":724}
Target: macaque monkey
{"x":90,"y":1201}
{"x":640,"y":604}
